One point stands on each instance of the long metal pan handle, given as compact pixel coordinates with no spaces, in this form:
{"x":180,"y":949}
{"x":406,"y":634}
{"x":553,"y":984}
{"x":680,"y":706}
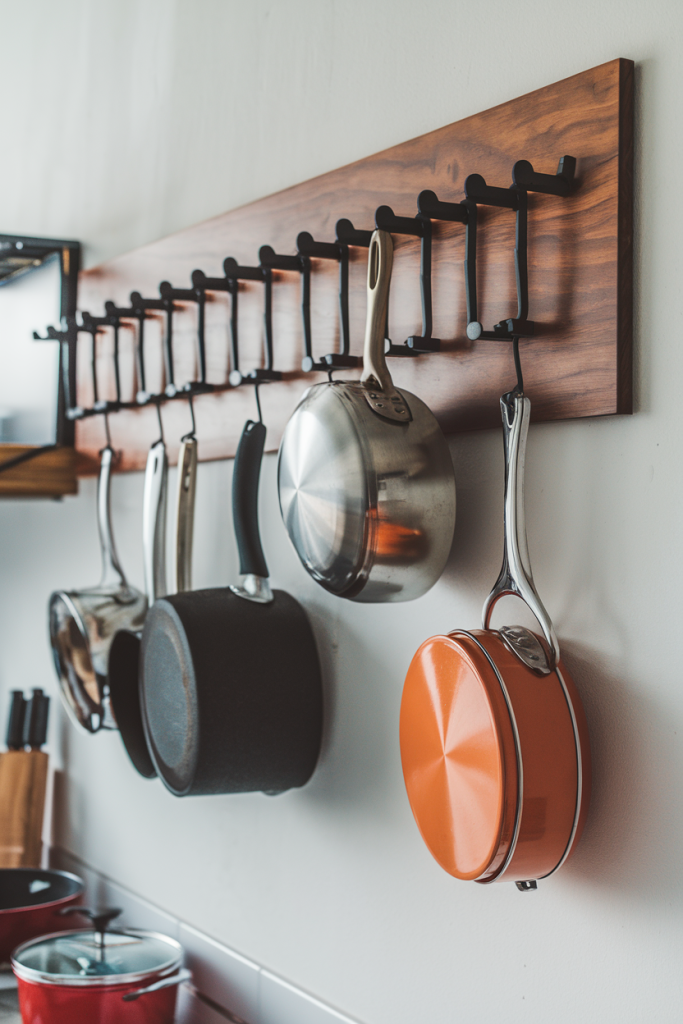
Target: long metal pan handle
{"x":245,"y":481}
{"x":380,"y":392}
{"x":173,"y":979}
{"x":154,"y":522}
{"x":515,"y":575}
{"x":185,"y":501}
{"x":112,"y":572}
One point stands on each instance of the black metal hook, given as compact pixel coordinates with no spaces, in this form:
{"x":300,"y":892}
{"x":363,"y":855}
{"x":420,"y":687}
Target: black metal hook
{"x":170,"y":295}
{"x":301,"y":265}
{"x":419,"y":227}
{"x":258,"y":401}
{"x":157,"y":400}
{"x":525,"y":179}
{"x":107,"y":432}
{"x":67,"y":337}
{"x":142,"y":396}
{"x":429,"y":205}
{"x":347,"y":234}
{"x":236,"y":273}
{"x":202,"y":283}
{"x":93,"y":325}
{"x":339,"y":251}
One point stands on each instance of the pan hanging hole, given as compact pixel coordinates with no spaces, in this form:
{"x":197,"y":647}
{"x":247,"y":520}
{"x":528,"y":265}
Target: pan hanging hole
{"x":373,"y":269}
{"x":519,"y":387}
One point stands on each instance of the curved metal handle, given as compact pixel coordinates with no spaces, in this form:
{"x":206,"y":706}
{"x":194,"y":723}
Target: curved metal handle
{"x":515,"y":575}
{"x":173,"y":979}
{"x":112,"y":572}
{"x":185,"y":500}
{"x":376,"y":377}
{"x":154,"y":522}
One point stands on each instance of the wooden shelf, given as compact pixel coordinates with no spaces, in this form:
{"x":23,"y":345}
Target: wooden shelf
{"x":49,"y":475}
{"x":580,"y":268}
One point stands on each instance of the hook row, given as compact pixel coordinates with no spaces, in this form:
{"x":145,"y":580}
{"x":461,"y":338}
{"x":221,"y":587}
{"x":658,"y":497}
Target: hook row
{"x":429,"y":209}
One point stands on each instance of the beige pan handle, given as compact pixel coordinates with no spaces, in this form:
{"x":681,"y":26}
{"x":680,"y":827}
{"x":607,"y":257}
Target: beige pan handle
{"x":185,"y":501}
{"x":381,"y":395}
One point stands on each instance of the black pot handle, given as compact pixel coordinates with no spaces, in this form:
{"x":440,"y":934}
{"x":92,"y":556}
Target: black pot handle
{"x":245,"y":483}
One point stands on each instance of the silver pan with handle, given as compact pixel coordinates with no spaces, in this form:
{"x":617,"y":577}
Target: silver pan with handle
{"x":84,"y":622}
{"x":365,"y":477}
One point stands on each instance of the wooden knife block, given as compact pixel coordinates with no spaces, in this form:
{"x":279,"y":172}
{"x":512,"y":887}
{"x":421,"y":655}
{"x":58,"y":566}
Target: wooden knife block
{"x":23,"y":781}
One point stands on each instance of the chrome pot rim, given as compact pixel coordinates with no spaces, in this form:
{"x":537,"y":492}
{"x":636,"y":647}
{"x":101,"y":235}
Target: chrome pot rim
{"x":97,"y":981}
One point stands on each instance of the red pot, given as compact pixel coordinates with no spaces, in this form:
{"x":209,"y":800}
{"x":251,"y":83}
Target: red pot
{"x":30,"y":902}
{"x":86,"y":977}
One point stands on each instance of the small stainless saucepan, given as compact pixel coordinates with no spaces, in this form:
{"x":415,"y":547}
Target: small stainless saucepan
{"x":84,"y":622}
{"x":365,"y":477}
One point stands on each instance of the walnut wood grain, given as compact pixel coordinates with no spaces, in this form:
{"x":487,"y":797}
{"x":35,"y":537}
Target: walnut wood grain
{"x":580,"y":270}
{"x":49,"y":475}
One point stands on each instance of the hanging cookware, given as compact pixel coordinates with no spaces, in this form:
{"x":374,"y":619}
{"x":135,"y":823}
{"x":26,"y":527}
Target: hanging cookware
{"x":124,"y":654}
{"x":366,"y":483}
{"x":79,"y":977}
{"x":230,"y":680}
{"x":494,"y":741}
{"x":30,"y":903}
{"x":84,"y":622}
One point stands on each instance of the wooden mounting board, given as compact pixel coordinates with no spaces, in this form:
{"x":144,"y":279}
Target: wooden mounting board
{"x":48,"y":475}
{"x":580,"y":270}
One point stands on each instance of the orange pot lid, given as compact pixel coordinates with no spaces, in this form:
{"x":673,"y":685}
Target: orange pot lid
{"x":458,"y":754}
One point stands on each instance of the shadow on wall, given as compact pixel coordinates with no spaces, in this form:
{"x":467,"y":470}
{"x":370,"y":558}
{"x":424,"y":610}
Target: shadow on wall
{"x":359,"y":760}
{"x":628,"y":844}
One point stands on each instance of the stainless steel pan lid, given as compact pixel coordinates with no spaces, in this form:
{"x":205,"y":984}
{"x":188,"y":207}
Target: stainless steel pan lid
{"x":366,"y":483}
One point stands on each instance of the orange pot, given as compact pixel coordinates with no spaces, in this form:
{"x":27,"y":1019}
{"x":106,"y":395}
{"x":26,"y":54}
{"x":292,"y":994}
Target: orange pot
{"x":494,"y":741}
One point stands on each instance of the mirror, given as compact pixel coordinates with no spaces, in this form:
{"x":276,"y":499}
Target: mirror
{"x":38,"y":282}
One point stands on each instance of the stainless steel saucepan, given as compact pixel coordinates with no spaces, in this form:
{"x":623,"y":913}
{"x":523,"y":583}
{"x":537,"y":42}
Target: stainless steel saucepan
{"x":83,"y":623}
{"x":365,"y":477}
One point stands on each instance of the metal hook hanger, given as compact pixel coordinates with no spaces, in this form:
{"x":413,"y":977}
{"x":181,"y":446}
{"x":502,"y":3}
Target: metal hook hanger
{"x":419,"y":227}
{"x":429,"y":205}
{"x":67,"y":337}
{"x":169,"y":295}
{"x":258,"y":401}
{"x":107,"y":431}
{"x":202,"y":283}
{"x":157,"y":404}
{"x":347,"y":234}
{"x":302,"y":265}
{"x":93,"y":325}
{"x":236,"y":273}
{"x":142,"y":396}
{"x":525,"y":180}
{"x":307,"y":247}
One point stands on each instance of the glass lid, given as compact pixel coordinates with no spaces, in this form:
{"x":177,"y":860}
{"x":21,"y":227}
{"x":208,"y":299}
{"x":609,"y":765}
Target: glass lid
{"x":90,"y":957}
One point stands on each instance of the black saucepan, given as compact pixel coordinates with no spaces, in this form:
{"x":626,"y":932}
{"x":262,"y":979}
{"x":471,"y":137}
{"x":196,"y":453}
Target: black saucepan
{"x":231,"y":691}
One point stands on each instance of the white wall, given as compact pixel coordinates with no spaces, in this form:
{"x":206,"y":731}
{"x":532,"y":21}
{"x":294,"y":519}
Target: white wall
{"x":132,"y":118}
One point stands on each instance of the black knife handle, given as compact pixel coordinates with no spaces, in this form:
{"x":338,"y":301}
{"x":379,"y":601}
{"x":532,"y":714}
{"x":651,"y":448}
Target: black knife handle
{"x":15,"y":722}
{"x":35,"y":721}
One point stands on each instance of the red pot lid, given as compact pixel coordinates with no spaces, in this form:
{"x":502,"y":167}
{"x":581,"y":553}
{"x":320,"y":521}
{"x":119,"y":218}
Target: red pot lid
{"x":92,"y":958}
